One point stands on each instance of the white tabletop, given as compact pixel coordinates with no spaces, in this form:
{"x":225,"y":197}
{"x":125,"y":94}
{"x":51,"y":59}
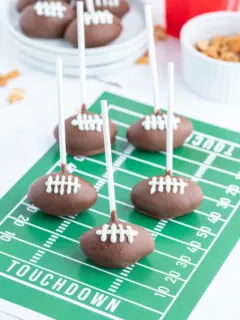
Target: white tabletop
{"x":26,"y":134}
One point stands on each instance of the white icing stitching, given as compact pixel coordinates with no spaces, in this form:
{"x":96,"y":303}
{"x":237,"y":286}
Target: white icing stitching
{"x":98,"y":17}
{"x":116,"y":229}
{"x":88,"y":122}
{"x":58,"y":185}
{"x":167,"y":184}
{"x":159,"y":122}
{"x":50,"y":9}
{"x":107,"y":3}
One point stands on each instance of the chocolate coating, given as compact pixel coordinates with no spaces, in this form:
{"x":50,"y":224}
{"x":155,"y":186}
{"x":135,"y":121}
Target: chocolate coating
{"x":119,"y":254}
{"x":163,"y":205}
{"x":36,"y":26}
{"x":155,"y":140}
{"x":118,"y":11}
{"x":96,"y":35}
{"x":22,"y":4}
{"x":62,"y":205}
{"x":85,"y":143}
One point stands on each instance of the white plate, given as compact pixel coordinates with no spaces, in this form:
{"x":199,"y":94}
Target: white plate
{"x":72,"y":61}
{"x":91,"y":71}
{"x":134,"y":33}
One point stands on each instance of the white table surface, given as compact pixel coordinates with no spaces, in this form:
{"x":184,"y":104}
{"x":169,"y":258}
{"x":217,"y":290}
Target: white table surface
{"x":26,"y":134}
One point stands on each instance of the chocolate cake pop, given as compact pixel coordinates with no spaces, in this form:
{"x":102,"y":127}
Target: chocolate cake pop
{"x":167,"y":196}
{"x":62,"y":193}
{"x":149,"y":133}
{"x":22,"y":4}
{"x":115,"y":244}
{"x":101,"y":28}
{"x":84,"y":131}
{"x":117,"y":7}
{"x":46,"y":19}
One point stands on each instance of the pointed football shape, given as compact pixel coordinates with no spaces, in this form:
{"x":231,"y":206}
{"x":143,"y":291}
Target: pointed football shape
{"x":117,"y":254}
{"x":155,"y":140}
{"x":166,"y":205}
{"x":68,"y":201}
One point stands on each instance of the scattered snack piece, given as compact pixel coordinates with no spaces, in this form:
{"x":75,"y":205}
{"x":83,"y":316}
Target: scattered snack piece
{"x":144,"y":59}
{"x":225,"y":48}
{"x":160,"y":33}
{"x":4,"y":78}
{"x":16,"y":95}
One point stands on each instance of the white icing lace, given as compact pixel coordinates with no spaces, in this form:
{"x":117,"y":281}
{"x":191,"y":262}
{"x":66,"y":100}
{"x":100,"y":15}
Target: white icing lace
{"x":98,"y":17}
{"x":58,"y":185}
{"x":116,"y":233}
{"x":50,"y":9}
{"x":88,"y":122}
{"x":167,"y":184}
{"x":107,"y":3}
{"x":154,"y":122}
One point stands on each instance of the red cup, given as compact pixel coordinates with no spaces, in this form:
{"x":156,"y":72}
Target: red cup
{"x":180,"y":11}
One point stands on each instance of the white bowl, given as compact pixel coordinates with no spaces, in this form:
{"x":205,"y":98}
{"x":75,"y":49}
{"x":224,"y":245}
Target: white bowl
{"x":211,"y":79}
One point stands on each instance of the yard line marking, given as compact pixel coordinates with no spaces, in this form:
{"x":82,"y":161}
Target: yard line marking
{"x":190,"y":226}
{"x":153,"y":269}
{"x":51,"y":293}
{"x":201,"y":260}
{"x":216,"y":138}
{"x":85,"y":264}
{"x":206,"y":214}
{"x":176,"y":171}
{"x":215,"y":200}
{"x":83,"y":283}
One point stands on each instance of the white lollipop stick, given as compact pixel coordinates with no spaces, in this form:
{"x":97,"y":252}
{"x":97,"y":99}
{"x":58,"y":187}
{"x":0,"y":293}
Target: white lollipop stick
{"x":90,"y":6}
{"x":81,"y":50}
{"x":152,"y":56}
{"x":61,"y":122}
{"x":170,"y":117}
{"x":108,"y":153}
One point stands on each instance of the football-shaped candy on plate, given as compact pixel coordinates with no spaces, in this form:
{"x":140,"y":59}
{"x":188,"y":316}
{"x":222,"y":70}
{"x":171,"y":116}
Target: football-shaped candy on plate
{"x":117,"y":7}
{"x":165,"y":197}
{"x":149,"y":133}
{"x":46,"y":19}
{"x":62,"y":194}
{"x":101,"y":28}
{"x":84,"y":134}
{"x":116,"y":244}
{"x":22,"y":4}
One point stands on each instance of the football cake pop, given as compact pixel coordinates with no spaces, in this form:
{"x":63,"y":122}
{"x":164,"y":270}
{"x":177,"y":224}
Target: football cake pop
{"x":115,"y":244}
{"x":62,"y":193}
{"x":22,"y":4}
{"x":117,"y":7}
{"x":167,"y":196}
{"x":149,"y":133}
{"x":84,"y":131}
{"x":101,"y":28}
{"x":46,"y":19}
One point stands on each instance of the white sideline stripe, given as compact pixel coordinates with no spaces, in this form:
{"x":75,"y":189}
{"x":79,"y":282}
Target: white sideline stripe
{"x":83,"y":283}
{"x":141,"y":115}
{"x":107,"y":315}
{"x":85,"y":264}
{"x":201,"y":259}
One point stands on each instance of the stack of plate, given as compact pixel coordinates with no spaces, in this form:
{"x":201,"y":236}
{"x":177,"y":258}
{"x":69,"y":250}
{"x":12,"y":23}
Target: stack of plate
{"x":42,"y":53}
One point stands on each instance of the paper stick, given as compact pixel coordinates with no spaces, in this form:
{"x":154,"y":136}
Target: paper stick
{"x":81,"y":51}
{"x":152,"y":56}
{"x":108,"y":154}
{"x":61,"y":122}
{"x":170,"y":94}
{"x":90,"y":6}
